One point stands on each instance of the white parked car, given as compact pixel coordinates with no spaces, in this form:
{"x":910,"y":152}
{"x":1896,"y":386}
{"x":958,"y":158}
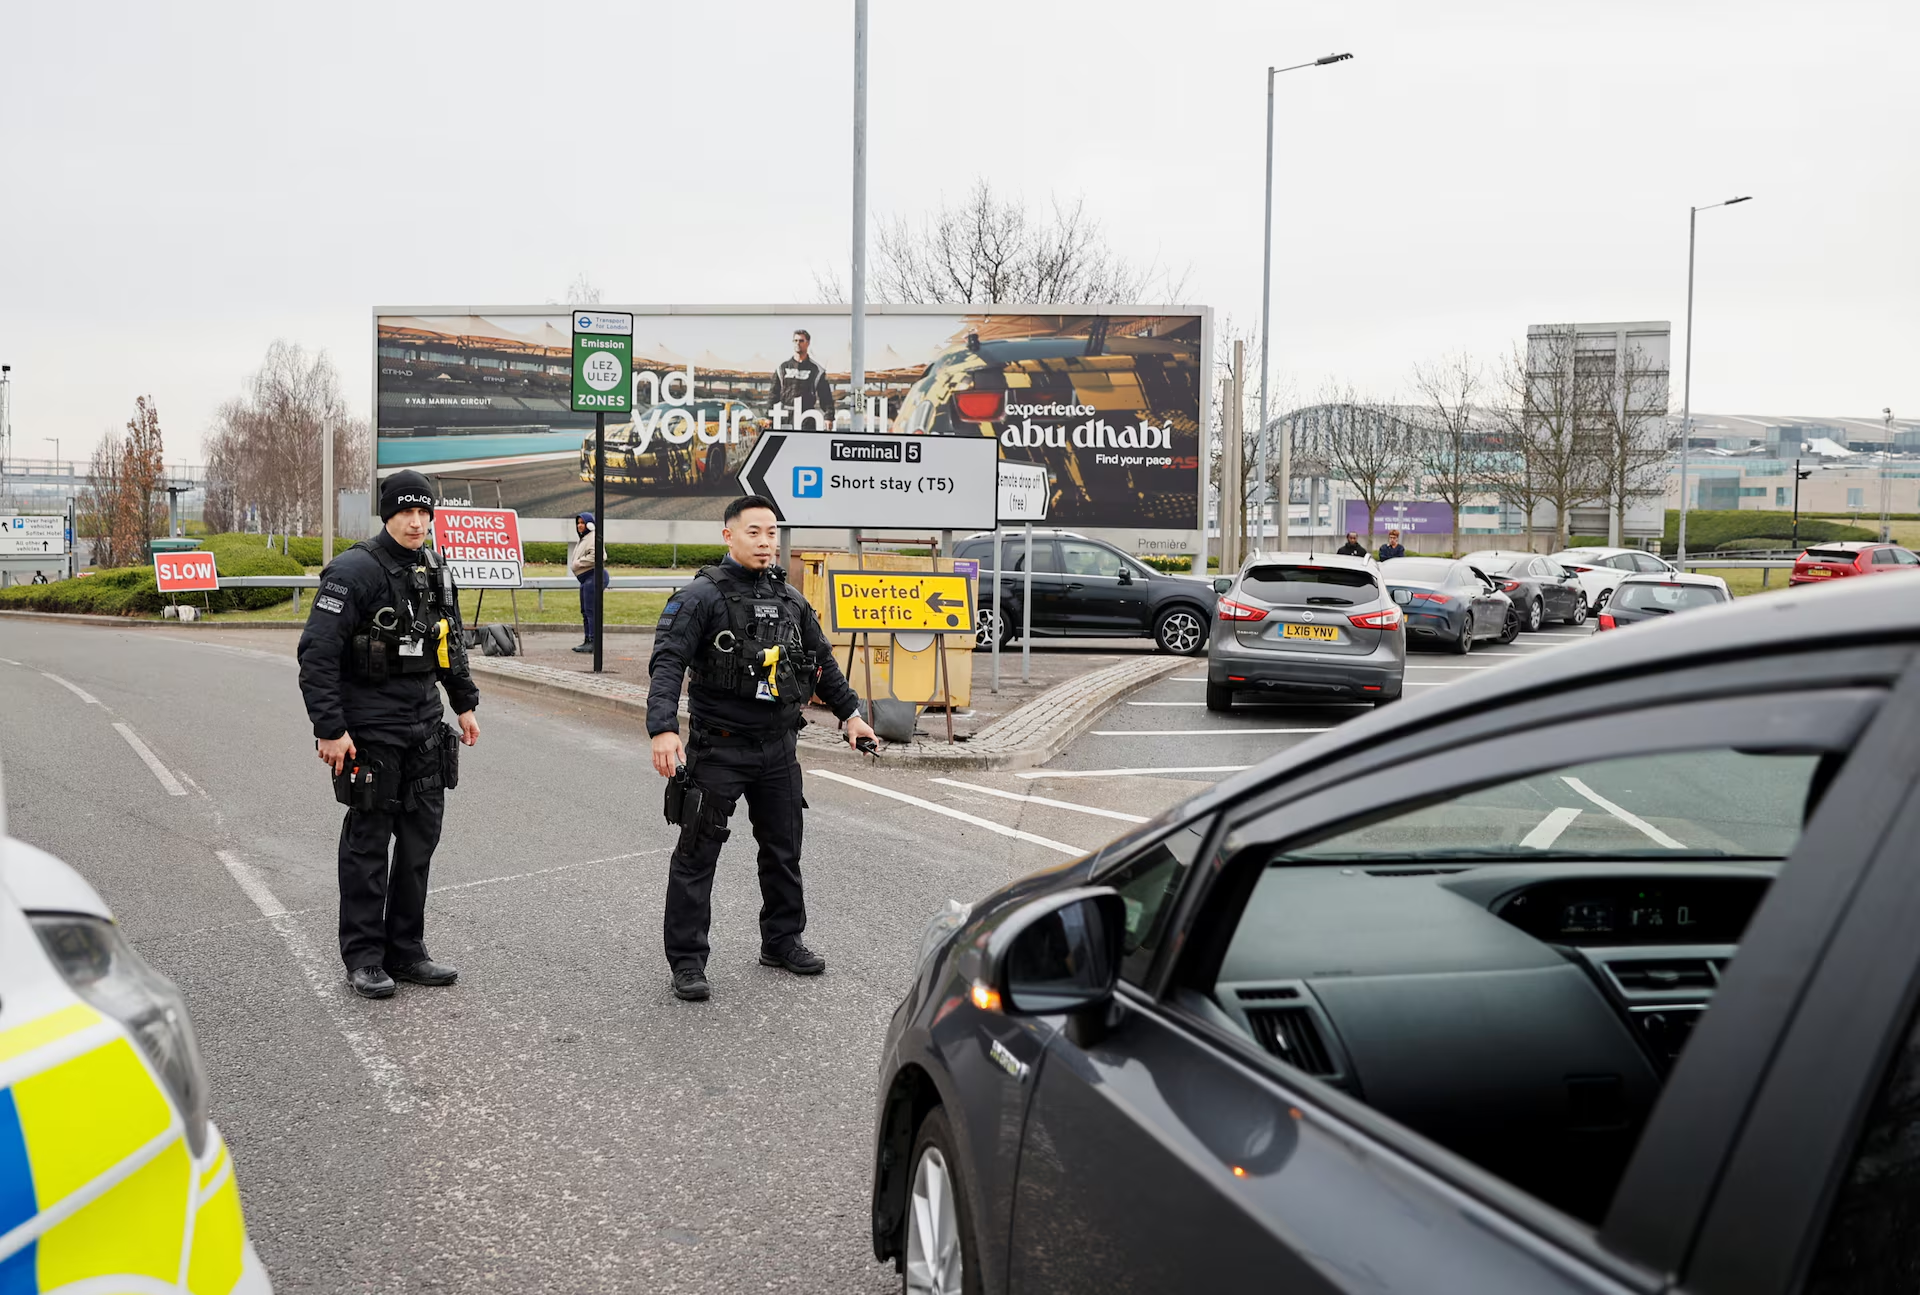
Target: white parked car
{"x":1602,"y":570}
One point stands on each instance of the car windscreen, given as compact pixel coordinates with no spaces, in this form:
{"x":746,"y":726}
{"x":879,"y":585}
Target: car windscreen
{"x":1636,"y":596}
{"x":1429,"y":570}
{"x":1576,"y":555}
{"x":1845,"y":557}
{"x":1297,"y":583}
{"x":1496,"y":564}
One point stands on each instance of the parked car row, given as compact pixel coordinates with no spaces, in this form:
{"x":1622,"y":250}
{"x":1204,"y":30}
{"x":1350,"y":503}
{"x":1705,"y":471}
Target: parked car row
{"x":1087,"y":588}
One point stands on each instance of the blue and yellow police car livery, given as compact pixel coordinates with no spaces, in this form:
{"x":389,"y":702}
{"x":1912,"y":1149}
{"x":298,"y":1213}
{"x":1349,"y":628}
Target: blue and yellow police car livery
{"x":112,"y":1178}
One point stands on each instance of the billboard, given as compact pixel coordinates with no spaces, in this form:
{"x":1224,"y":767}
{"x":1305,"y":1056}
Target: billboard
{"x":1106,"y":400}
{"x":1415,"y":517}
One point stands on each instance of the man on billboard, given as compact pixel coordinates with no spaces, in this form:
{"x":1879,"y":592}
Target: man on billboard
{"x":800,"y":389}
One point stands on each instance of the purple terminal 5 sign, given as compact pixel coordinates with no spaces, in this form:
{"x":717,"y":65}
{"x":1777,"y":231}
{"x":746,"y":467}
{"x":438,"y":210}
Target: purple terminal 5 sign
{"x":1417,"y":517}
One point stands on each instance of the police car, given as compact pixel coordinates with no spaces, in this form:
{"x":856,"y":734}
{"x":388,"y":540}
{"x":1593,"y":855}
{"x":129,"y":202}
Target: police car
{"x":112,"y":1178}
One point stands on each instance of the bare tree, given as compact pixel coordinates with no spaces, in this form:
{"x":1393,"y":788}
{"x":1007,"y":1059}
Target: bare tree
{"x":1633,"y":425}
{"x":1448,"y":442}
{"x":986,"y":249}
{"x":121,"y":482}
{"x":1367,"y":444}
{"x":264,"y":454}
{"x":580,"y":292}
{"x":1549,"y":417}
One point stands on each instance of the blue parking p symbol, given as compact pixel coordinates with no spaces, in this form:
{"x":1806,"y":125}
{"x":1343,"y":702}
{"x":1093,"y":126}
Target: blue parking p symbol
{"x":806,"y":483}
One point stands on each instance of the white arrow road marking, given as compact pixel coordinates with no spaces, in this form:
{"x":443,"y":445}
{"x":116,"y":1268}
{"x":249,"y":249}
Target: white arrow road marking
{"x":1042,"y":800}
{"x":950,"y":812}
{"x":1548,"y":830}
{"x":73,"y":688}
{"x":160,"y":771}
{"x":1658,"y":837}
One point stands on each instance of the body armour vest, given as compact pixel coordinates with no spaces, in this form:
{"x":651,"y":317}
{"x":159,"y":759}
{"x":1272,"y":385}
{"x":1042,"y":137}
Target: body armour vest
{"x":759,"y":651}
{"x":411,"y":633}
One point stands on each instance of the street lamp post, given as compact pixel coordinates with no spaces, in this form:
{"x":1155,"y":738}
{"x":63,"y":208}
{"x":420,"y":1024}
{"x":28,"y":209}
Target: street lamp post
{"x":1266,"y":330}
{"x":1886,"y":480}
{"x":1686,"y":399}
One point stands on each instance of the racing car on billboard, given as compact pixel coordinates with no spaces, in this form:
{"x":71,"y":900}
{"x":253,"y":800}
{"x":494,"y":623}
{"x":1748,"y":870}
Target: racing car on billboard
{"x":641,"y":457}
{"x":982,"y":387}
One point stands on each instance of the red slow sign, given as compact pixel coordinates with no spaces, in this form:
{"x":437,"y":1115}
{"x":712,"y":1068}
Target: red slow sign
{"x":179,"y":573}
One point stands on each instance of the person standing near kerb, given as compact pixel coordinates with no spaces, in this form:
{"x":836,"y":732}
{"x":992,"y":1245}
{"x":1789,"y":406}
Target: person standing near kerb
{"x":580,"y":562}
{"x":804,"y":380}
{"x":757,"y":653}
{"x":383,"y":631}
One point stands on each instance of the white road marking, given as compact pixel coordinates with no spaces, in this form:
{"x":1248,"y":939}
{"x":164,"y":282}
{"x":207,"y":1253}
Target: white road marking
{"x":1424,"y":683}
{"x":1166,"y":703}
{"x":950,"y":812}
{"x":1042,"y":800}
{"x":1658,"y":837}
{"x":160,"y":771}
{"x":541,"y":872}
{"x":8,"y":661}
{"x":1548,"y":830}
{"x":1449,"y":667}
{"x":1123,"y":773}
{"x":73,"y":688}
{"x":1197,"y":732}
{"x":386,"y":1074}
{"x":1188,"y":678}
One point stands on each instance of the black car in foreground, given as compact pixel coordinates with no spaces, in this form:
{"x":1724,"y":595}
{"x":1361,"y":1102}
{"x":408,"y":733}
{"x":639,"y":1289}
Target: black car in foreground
{"x":1088,"y":588}
{"x":1586,"y":974}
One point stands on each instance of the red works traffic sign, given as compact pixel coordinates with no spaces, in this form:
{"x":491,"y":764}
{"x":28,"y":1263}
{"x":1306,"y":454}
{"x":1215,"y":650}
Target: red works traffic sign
{"x":481,"y":545}
{"x":179,"y":573}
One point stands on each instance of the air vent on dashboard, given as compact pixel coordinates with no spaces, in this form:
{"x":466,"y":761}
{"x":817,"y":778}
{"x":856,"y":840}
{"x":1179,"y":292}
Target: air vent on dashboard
{"x":1666,"y":975}
{"x":1291,"y":1034}
{"x":1279,"y":991}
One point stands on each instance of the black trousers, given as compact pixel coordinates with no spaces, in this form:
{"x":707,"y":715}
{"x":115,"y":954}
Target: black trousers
{"x":767,"y":772}
{"x":383,"y":902}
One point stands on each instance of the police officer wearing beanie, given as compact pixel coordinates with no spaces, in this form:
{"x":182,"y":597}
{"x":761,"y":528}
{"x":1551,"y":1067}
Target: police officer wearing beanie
{"x":383,"y":631}
{"x":757,"y":653}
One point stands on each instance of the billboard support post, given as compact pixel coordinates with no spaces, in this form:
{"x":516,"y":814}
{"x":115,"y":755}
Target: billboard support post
{"x":600,"y":540}
{"x":859,"y":278}
{"x":1026,"y":613}
{"x":326,"y":490}
{"x":999,"y":611}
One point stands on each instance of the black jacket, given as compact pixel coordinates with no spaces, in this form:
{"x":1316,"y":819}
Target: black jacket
{"x":692,"y":617}
{"x":805,"y":381}
{"x":1388,"y":552}
{"x":1352,"y":549}
{"x":352,"y":589}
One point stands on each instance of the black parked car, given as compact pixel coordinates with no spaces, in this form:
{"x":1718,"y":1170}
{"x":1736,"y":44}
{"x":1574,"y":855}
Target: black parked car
{"x":1450,"y":604}
{"x":1089,"y":588}
{"x":1540,"y":587}
{"x":1430,"y":1003}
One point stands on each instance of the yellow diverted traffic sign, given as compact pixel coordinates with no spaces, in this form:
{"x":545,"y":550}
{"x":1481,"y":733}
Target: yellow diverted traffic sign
{"x":896,"y":602}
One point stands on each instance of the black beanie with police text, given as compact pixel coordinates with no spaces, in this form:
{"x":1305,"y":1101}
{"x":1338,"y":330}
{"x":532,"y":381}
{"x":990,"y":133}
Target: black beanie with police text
{"x":404,"y":489}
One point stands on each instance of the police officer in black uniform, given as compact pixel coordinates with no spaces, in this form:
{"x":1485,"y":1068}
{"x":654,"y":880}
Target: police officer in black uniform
{"x":801,"y":378}
{"x":757,"y":653}
{"x":384,"y":629}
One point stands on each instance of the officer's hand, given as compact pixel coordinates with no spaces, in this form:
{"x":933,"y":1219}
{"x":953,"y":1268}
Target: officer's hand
{"x":469,"y":728}
{"x":668,"y":754}
{"x":858,"y":728}
{"x":336,"y":751}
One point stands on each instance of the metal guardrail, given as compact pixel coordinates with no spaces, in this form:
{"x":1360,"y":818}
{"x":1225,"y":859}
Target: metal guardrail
{"x":1738,"y":564}
{"x":536,"y":583}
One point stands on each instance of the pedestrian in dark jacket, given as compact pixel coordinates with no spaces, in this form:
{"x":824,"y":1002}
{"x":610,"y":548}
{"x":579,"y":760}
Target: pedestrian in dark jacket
{"x":592,"y":592}
{"x":757,"y":653}
{"x":1353,"y":548}
{"x":1392,"y":548}
{"x":382,"y":639}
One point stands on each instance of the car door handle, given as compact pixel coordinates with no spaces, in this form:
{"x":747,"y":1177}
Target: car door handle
{"x":1075,"y":584}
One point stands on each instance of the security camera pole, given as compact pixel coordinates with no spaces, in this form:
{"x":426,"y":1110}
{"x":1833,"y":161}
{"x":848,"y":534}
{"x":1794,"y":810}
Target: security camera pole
{"x":602,"y":382}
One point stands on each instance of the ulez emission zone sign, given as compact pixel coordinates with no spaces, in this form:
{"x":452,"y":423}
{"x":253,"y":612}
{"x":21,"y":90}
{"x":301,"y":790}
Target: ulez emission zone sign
{"x":602,"y":362}
{"x":190,"y":572}
{"x":481,"y":546}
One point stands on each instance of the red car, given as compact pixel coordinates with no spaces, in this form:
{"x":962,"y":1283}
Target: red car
{"x":1852,"y":558}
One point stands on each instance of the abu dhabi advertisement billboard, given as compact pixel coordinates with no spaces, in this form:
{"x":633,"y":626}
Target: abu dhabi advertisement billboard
{"x":1107,"y":400}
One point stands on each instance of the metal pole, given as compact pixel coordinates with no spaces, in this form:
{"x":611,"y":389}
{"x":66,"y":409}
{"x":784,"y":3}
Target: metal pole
{"x":1686,"y":397}
{"x":1026,"y":613}
{"x":326,"y":491}
{"x":73,"y":541}
{"x":600,"y":544}
{"x":1886,"y":480}
{"x":1266,"y":331}
{"x":999,"y":611}
{"x":858,"y":378}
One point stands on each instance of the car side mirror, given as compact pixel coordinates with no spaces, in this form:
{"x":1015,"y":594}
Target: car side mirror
{"x":1126,"y":576}
{"x":1403,"y":596}
{"x":1059,"y":954}
{"x":1222,"y":584}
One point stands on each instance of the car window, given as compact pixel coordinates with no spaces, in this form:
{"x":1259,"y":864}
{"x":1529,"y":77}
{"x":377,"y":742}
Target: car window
{"x":1623,"y":562}
{"x":1436,"y":570}
{"x":1869,"y":1241}
{"x":1649,"y":563}
{"x":1840,"y":557}
{"x":1885,"y":558}
{"x":1664,"y":596}
{"x":1147,"y":883}
{"x":1497,"y":564}
{"x":1907,"y":559}
{"x":1078,"y":558}
{"x":1304,"y":583}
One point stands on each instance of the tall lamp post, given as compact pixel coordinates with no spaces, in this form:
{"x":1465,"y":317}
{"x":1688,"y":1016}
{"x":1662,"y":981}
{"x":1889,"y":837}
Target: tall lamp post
{"x":1686,"y":399}
{"x":1886,"y":479}
{"x":1266,"y":329}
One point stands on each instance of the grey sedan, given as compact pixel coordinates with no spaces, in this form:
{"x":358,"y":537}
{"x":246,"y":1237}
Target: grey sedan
{"x":1450,"y":604}
{"x":1306,"y":625}
{"x":1541,"y":588}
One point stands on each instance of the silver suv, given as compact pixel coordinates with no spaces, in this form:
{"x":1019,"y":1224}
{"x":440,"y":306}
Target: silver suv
{"x":1306,"y":625}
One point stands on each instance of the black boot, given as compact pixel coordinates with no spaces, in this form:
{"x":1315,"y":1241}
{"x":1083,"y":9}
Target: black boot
{"x":425,"y":972}
{"x":798,"y":959}
{"x":585,"y":647}
{"x":690,"y":983}
{"x":370,"y":982}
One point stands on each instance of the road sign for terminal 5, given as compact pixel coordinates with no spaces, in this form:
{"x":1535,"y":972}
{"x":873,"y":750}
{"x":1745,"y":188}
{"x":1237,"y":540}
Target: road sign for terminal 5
{"x":831,"y":479}
{"x":602,"y":362}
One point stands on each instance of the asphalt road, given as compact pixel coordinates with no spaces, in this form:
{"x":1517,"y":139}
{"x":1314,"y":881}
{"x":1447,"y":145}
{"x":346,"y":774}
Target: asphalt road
{"x":557,"y":1121}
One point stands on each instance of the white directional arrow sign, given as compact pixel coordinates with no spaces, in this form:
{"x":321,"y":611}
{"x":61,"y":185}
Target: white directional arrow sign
{"x":829,"y":479}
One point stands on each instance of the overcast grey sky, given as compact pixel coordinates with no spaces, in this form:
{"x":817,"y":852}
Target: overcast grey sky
{"x":184,"y":183}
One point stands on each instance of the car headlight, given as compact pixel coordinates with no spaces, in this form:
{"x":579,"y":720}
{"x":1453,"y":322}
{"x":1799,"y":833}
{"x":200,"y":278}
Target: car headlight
{"x":114,"y":979}
{"x":940,"y":929}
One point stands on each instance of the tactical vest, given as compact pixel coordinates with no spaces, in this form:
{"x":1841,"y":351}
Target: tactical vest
{"x":414,"y":632}
{"x":760,"y":652}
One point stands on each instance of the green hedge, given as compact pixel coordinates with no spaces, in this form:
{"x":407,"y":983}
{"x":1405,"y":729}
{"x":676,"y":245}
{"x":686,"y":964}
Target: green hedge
{"x":633,"y":555}
{"x":130,"y":591}
{"x":1708,"y":530}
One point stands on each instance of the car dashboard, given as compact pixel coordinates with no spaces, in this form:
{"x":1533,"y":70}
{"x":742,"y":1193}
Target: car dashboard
{"x":1524,"y":1015}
